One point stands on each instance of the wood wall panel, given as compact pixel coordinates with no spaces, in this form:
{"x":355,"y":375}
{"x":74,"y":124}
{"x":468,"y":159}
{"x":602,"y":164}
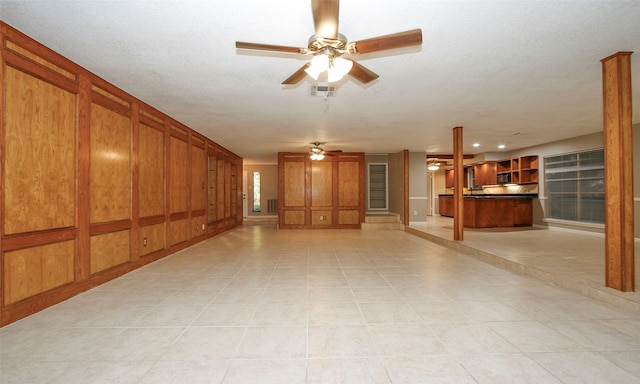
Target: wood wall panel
{"x":63,"y":131}
{"x":349,"y":183}
{"x":212,"y":193}
{"x":28,"y":272}
{"x":110,"y":169}
{"x":198,"y":226}
{"x":321,"y":184}
{"x":227,"y":190}
{"x":110,"y":250}
{"x":321,"y":217}
{"x":349,"y":217}
{"x":155,"y":238}
{"x":40,"y":60}
{"x":294,"y":184}
{"x":179,"y":231}
{"x":294,"y":218}
{"x":198,"y":178}
{"x":39,"y":155}
{"x":220,"y":188}
{"x":151,"y":171}
{"x":179,"y":177}
{"x":321,"y":194}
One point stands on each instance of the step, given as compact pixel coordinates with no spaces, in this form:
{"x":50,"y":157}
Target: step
{"x":382,"y":218}
{"x":383,"y":226}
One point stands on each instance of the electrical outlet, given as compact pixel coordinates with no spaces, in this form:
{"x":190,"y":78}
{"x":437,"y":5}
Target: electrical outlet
{"x":203,"y":227}
{"x":144,"y":242}
{"x":415,"y":213}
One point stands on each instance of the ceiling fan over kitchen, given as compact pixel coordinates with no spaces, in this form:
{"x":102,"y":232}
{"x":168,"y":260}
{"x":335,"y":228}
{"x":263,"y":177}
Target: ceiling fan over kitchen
{"x":327,"y":47}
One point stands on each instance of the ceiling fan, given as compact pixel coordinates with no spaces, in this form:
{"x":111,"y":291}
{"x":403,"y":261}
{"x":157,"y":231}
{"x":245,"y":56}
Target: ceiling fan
{"x":327,"y":47}
{"x":317,"y":153}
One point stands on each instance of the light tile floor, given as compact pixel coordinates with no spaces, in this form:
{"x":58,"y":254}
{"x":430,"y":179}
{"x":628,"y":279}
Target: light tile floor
{"x":261,"y":305}
{"x":571,"y":259}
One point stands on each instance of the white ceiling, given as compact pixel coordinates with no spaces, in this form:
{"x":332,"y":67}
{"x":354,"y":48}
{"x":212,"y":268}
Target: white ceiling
{"x":518,"y":73}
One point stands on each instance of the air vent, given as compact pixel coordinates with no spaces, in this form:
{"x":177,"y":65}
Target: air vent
{"x":322,"y":91}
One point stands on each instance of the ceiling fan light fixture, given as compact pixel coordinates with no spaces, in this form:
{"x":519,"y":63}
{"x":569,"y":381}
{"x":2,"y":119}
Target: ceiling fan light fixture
{"x":319,"y":64}
{"x":338,"y":68}
{"x":433,"y":166}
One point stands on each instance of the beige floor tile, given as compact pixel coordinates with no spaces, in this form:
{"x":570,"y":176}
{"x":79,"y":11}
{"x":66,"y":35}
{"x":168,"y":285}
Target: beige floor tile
{"x":268,"y":371}
{"x":225,"y":315}
{"x":499,"y":368}
{"x":326,"y":306}
{"x":264,"y":342}
{"x":405,"y":340}
{"x":280,"y":314}
{"x":390,"y":312}
{"x":205,"y":343}
{"x":584,"y":367}
{"x":331,"y":341}
{"x":432,"y":369}
{"x":334,"y":313}
{"x":181,"y":372}
{"x":347,"y":371}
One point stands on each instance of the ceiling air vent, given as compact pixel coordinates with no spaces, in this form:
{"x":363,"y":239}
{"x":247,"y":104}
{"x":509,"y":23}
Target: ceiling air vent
{"x":322,"y":91}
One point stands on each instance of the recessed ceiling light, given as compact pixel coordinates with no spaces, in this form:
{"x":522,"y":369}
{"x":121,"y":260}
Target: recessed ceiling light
{"x":476,"y":145}
{"x":501,"y":146}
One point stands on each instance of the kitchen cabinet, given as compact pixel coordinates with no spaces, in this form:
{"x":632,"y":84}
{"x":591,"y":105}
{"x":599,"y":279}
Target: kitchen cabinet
{"x":519,"y":170}
{"x":449,"y":180}
{"x":491,"y":211}
{"x":485,"y":174}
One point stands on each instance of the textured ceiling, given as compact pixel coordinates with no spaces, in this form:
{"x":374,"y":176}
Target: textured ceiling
{"x":518,"y":73}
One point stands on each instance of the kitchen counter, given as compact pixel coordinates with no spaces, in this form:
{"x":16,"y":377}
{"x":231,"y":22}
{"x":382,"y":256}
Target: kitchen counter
{"x":489,"y":211}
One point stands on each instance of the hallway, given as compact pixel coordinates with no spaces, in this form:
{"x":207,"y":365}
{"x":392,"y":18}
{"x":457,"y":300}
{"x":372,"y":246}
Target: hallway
{"x":262,"y":305}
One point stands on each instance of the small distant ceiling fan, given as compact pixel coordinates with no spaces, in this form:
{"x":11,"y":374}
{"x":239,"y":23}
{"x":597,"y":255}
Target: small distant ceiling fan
{"x":317,"y":153}
{"x":327,"y":47}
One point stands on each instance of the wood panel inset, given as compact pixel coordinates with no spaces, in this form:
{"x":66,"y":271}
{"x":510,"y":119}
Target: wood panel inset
{"x":349,"y":185}
{"x":151,"y":169}
{"x":198,"y":178}
{"x":110,"y":250}
{"x":321,"y":218}
{"x":30,"y":271}
{"x":179,"y":231}
{"x":220,"y":189}
{"x":152,"y":238}
{"x":179,"y":177}
{"x":40,"y":154}
{"x":294,"y":184}
{"x":40,"y":60}
{"x":198,"y":226}
{"x":349,"y":217}
{"x":321,"y":184}
{"x":110,"y":170}
{"x":110,"y":96}
{"x":294,"y":217}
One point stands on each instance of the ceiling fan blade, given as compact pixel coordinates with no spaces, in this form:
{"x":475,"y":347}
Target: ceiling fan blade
{"x":325,"y":18}
{"x":267,"y":47}
{"x":381,"y":43}
{"x":362,"y":74}
{"x":297,"y":76}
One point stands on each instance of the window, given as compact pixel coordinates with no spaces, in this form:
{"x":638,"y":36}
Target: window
{"x":256,"y":191}
{"x":378,"y":187}
{"x":574,"y":184}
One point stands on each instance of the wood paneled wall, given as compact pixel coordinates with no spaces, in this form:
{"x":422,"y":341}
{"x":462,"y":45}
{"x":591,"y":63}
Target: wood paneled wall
{"x":321,"y":194}
{"x":95,"y":183}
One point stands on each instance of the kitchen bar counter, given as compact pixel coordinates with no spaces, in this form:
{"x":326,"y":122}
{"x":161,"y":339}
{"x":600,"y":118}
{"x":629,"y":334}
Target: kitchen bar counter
{"x":489,"y":211}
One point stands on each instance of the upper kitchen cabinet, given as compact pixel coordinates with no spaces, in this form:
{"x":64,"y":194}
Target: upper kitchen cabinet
{"x":485,"y":174}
